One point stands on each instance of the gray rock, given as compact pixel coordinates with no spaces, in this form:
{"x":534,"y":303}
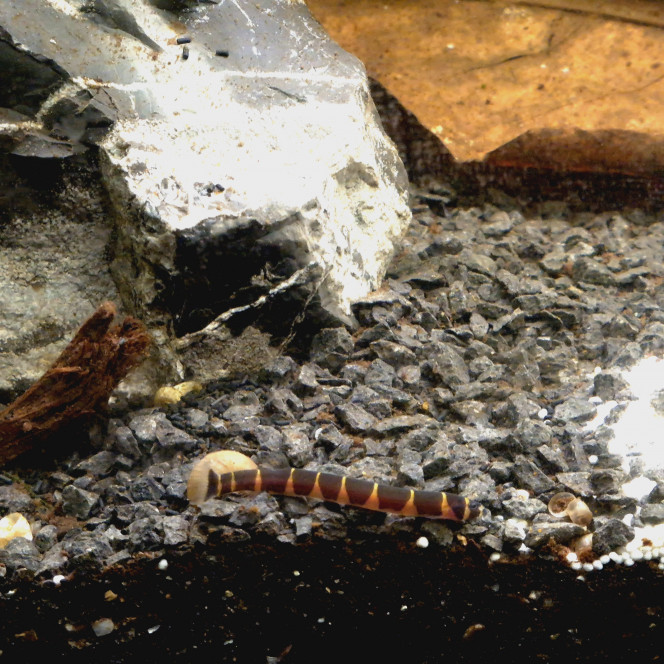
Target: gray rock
{"x":86,"y":550}
{"x":610,"y":536}
{"x":196,"y":418}
{"x":20,"y":553}
{"x":296,"y":445}
{"x":592,"y":271}
{"x":410,"y":474}
{"x":606,"y":480}
{"x":401,"y":424}
{"x":575,"y":410}
{"x":146,"y":534}
{"x":13,"y":499}
{"x":380,"y":374}
{"x":307,"y":382}
{"x":577,"y":482}
{"x":529,"y":476}
{"x":355,"y":418}
{"x":530,"y":434}
{"x":146,"y":488}
{"x":561,"y":532}
{"x":652,"y":514}
{"x":515,"y":530}
{"x":521,"y":508}
{"x":280,"y":369}
{"x":46,"y":537}
{"x":448,"y":366}
{"x":437,"y":459}
{"x":98,"y":464}
{"x":176,"y":529}
{"x":393,"y":353}
{"x":78,"y":502}
{"x":303,"y":527}
{"x":552,"y":459}
{"x":124,"y":441}
{"x":331,"y":347}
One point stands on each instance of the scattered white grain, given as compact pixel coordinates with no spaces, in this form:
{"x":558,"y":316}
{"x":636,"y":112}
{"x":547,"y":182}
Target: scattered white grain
{"x":163,"y":564}
{"x":422,"y":542}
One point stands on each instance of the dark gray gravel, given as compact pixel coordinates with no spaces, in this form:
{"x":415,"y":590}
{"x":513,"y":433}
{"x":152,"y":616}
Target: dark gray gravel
{"x":471,"y":371}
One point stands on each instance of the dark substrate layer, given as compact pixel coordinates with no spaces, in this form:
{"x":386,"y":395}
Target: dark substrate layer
{"x":361,"y":600}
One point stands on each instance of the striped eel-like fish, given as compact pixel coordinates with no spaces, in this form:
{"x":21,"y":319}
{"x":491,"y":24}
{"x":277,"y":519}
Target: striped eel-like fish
{"x":334,"y":488}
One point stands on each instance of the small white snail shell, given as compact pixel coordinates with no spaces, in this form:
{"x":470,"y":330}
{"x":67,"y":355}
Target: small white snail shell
{"x":565,"y":504}
{"x":579,"y":513}
{"x":583,"y":546}
{"x":223,"y":461}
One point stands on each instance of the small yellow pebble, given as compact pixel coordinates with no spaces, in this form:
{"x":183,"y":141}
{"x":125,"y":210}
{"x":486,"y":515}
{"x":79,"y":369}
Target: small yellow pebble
{"x":165,"y":396}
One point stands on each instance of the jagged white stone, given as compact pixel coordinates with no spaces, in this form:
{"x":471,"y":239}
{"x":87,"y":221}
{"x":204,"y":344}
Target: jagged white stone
{"x":278,"y":141}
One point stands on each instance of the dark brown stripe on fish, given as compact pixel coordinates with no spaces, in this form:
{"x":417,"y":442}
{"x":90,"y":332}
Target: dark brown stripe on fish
{"x":274,"y":480}
{"x":330,"y":485}
{"x":428,"y":503}
{"x":392,"y":498}
{"x":303,"y":481}
{"x":358,"y":491}
{"x":346,"y":491}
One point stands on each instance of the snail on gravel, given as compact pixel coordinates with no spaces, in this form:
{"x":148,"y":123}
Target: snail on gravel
{"x":566,"y":504}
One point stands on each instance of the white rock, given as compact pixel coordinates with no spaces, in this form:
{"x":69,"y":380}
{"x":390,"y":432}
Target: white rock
{"x":264,"y":170}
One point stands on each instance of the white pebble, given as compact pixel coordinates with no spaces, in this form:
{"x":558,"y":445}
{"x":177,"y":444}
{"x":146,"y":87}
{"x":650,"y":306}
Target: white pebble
{"x":572,"y":557}
{"x":58,"y":579}
{"x":494,"y":557}
{"x":588,"y":567}
{"x":152,"y":630}
{"x":637,"y":554}
{"x":542,"y":413}
{"x":422,"y":542}
{"x":593,"y":459}
{"x":628,"y":562}
{"x":597,"y":564}
{"x":605,"y":559}
{"x":103,"y":626}
{"x":616,"y":557}
{"x":163,"y":564}
{"x":576,"y":566}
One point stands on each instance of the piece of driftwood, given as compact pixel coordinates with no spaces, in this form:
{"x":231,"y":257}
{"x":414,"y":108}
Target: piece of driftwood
{"x":78,"y":384}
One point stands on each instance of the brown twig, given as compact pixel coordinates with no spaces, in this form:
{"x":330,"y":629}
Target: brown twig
{"x":78,"y":384}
